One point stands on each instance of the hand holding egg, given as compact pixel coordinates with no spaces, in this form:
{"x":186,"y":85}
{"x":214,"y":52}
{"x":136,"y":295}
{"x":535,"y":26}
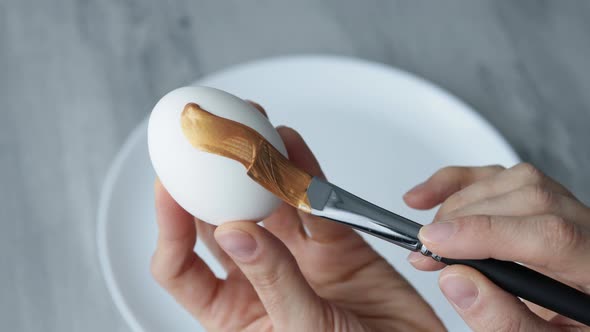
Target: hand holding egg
{"x":266,"y":287}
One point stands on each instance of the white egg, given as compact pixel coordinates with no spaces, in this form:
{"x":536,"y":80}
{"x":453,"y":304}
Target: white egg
{"x":213,"y":188}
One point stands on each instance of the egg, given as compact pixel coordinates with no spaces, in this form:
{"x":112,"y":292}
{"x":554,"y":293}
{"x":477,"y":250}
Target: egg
{"x":213,"y":188}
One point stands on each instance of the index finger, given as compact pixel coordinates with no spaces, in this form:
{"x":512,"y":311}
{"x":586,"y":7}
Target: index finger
{"x":519,"y":176}
{"x":175,"y":266}
{"x":446,"y":182}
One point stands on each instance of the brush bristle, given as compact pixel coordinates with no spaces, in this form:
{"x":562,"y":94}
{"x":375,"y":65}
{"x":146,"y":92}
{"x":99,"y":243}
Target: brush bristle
{"x":277,"y":174}
{"x":264,"y":163}
{"x":205,"y":132}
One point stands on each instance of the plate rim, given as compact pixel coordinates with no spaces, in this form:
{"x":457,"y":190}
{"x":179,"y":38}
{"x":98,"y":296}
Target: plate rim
{"x":101,"y":232}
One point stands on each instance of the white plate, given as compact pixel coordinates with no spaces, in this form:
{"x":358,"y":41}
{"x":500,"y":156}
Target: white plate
{"x":376,"y":130}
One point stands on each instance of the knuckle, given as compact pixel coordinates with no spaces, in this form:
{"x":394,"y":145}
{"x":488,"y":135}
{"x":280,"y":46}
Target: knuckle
{"x":481,"y":221}
{"x":449,"y":171}
{"x":269,"y":285}
{"x":156,"y":271}
{"x":488,"y":235}
{"x":540,"y":196}
{"x":269,"y":279}
{"x":454,"y":201}
{"x":487,"y":188}
{"x":497,"y":168}
{"x":492,"y":316}
{"x":509,"y":325}
{"x":274,"y":277}
{"x":476,"y":224}
{"x":168,"y":273}
{"x":560,"y":235}
{"x":530,"y":172}
{"x":457,"y":175}
{"x":486,"y":224}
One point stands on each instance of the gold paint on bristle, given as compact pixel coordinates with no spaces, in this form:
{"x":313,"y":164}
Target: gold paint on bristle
{"x":264,"y":163}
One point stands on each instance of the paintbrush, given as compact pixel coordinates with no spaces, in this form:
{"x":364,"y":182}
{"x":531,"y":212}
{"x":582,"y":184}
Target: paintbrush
{"x":268,"y":167}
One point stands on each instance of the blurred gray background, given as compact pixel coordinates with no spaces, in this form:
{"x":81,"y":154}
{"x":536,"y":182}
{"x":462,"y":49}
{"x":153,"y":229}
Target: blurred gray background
{"x":77,"y":76}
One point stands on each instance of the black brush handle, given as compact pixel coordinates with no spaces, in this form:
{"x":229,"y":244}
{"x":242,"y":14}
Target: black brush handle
{"x":532,"y":286}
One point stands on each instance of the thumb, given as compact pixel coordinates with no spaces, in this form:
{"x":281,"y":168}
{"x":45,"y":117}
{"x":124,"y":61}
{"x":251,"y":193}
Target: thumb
{"x":485,"y":306}
{"x":274,"y":274}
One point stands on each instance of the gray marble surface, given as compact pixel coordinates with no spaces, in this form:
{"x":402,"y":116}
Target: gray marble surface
{"x":77,"y":76}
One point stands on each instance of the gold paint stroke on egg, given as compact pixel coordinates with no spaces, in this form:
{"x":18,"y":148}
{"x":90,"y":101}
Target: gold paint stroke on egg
{"x":265,"y":164}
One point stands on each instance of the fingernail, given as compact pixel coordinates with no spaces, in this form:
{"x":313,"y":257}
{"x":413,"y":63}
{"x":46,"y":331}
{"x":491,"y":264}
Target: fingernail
{"x":415,"y":257}
{"x":416,"y":188}
{"x":459,"y":290}
{"x":238,"y":244}
{"x":437,"y":232}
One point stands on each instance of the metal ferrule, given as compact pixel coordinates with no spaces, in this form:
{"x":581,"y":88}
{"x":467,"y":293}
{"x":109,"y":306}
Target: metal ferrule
{"x":331,"y":202}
